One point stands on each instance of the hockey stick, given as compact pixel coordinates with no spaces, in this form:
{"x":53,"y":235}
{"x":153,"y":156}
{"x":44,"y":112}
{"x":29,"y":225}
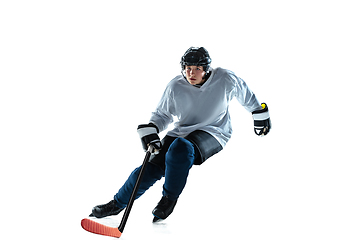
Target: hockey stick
{"x":101,"y":229}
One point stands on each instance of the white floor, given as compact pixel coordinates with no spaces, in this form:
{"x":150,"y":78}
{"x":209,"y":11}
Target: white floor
{"x":77,"y":77}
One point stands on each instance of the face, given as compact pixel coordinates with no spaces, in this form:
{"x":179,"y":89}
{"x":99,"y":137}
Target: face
{"x":195,"y":74}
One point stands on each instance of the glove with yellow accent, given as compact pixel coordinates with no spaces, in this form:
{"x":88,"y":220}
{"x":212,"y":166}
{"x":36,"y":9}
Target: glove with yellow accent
{"x":262,"y":123}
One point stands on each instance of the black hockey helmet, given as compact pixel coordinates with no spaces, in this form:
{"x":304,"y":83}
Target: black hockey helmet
{"x":195,"y":56}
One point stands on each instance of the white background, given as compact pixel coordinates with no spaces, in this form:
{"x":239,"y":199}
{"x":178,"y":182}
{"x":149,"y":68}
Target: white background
{"x":77,"y":77}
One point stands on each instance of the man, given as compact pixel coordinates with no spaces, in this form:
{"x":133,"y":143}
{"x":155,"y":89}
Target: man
{"x":199,"y":98}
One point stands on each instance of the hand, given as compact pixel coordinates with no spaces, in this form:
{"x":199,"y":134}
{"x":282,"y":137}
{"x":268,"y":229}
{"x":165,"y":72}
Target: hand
{"x":262,"y":123}
{"x":148,"y":134}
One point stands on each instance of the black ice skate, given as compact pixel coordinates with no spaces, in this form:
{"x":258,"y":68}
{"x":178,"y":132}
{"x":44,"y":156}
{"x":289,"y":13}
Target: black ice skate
{"x":105,"y":210}
{"x":164,"y":208}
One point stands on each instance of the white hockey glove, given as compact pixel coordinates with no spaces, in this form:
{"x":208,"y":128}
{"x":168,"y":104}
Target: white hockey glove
{"x":262,"y":123}
{"x":148,"y":134}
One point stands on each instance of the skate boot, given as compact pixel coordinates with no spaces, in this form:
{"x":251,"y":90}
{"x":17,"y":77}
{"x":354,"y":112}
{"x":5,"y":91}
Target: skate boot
{"x":105,"y":210}
{"x":164,"y":208}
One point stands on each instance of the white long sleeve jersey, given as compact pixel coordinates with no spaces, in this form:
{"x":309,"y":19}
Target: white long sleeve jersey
{"x":203,"y":108}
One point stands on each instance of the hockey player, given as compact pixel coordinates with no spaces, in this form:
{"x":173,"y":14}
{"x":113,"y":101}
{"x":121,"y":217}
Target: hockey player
{"x":199,"y":98}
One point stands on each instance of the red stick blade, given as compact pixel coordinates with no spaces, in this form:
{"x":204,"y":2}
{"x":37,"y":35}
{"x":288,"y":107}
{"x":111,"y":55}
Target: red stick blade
{"x":98,"y":228}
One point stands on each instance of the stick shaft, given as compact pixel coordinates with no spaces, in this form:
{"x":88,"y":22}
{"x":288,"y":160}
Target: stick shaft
{"x":134,"y":192}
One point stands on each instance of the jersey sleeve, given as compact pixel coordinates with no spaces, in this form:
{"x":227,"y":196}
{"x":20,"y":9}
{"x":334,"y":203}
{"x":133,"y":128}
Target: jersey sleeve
{"x":163,"y":115}
{"x":244,"y":95}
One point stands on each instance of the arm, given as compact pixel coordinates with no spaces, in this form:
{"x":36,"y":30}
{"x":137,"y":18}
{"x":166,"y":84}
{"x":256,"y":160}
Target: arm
{"x":159,"y":121}
{"x":244,"y":95}
{"x":260,"y":112}
{"x":163,"y":115}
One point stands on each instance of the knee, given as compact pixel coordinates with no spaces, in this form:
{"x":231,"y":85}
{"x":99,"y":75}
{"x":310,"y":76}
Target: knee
{"x":181,"y":151}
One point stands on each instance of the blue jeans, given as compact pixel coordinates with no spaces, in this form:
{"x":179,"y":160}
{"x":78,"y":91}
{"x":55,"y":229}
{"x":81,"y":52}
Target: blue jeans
{"x":179,"y":159}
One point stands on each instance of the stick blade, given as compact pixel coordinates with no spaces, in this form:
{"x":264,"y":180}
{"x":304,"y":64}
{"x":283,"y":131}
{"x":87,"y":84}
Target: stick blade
{"x":98,"y":228}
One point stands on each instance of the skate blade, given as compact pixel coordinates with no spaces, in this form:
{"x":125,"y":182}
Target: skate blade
{"x":157,"y":220}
